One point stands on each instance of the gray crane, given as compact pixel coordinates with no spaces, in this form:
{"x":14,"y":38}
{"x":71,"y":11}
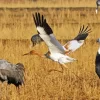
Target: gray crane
{"x":97,"y":61}
{"x":12,"y":73}
{"x":98,"y":4}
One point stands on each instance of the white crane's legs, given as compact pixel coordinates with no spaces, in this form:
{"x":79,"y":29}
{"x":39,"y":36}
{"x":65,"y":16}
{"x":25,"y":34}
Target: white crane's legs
{"x":96,"y":10}
{"x":64,"y":65}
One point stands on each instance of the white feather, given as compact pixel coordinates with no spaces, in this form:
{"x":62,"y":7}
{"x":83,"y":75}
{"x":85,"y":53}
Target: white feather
{"x":61,"y":58}
{"x":56,"y":49}
{"x":73,"y":45}
{"x":50,"y":40}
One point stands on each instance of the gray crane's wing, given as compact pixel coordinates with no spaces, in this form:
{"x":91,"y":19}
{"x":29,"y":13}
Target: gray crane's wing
{"x":97,"y":64}
{"x":46,"y":33}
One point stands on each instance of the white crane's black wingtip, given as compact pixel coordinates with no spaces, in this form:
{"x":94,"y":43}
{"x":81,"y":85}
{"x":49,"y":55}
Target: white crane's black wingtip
{"x":83,"y":33}
{"x":40,"y":21}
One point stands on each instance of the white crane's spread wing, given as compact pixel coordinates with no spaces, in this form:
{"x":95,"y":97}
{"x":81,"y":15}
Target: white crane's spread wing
{"x":46,"y":33}
{"x":78,"y":41}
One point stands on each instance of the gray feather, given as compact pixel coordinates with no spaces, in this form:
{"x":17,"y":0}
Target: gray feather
{"x":12,"y":73}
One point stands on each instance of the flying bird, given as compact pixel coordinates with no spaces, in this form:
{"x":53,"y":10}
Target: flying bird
{"x":70,"y":46}
{"x":12,"y":73}
{"x":98,"y":4}
{"x":56,"y":51}
{"x":97,"y":61}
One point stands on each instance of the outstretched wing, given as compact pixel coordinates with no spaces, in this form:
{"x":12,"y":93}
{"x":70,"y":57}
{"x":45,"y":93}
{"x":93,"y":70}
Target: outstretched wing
{"x":46,"y":33}
{"x":78,"y":41}
{"x":83,"y":33}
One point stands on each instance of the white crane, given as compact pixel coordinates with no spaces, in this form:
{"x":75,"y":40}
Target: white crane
{"x":57,"y":52}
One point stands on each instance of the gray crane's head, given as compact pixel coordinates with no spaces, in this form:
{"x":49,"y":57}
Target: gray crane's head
{"x":36,"y":39}
{"x":98,"y":40}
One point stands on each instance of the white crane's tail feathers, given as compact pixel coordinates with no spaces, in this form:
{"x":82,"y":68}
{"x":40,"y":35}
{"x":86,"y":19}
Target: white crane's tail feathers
{"x":71,"y":59}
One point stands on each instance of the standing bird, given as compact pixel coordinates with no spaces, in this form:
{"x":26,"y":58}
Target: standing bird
{"x":98,"y":4}
{"x":12,"y":73}
{"x":97,"y":61}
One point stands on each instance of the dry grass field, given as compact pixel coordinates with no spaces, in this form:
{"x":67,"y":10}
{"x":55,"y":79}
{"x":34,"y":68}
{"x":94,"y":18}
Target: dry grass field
{"x":65,"y":17}
{"x":47,"y":3}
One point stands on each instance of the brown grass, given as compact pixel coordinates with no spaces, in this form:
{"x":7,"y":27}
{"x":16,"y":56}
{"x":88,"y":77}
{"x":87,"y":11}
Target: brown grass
{"x":42,"y":85}
{"x":18,"y":23}
{"x":47,"y":3}
{"x":17,"y":27}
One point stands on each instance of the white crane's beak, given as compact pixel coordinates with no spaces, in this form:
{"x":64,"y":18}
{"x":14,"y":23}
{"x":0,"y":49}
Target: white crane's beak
{"x":43,"y":56}
{"x":33,"y":52}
